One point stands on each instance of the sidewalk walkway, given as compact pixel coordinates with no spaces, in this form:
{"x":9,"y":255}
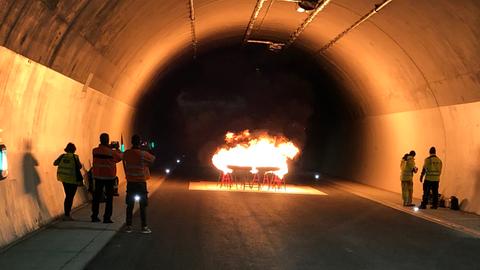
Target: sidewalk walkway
{"x":69,"y":244}
{"x":461,"y":221}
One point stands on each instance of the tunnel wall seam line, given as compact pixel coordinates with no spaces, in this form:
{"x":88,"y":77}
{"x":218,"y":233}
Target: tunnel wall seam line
{"x":427,"y":82}
{"x":8,"y":11}
{"x":428,"y":85}
{"x":80,"y":82}
{"x":7,"y":36}
{"x":67,"y":32}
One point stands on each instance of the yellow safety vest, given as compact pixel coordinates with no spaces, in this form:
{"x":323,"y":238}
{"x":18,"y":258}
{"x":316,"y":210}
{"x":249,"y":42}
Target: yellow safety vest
{"x":406,"y":167}
{"x":66,"y":169}
{"x":433,"y":168}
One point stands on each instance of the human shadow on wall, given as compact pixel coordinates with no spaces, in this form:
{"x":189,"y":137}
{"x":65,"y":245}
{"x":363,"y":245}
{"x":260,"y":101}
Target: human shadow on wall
{"x":32,"y":181}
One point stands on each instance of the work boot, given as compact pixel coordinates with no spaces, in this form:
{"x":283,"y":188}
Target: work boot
{"x":146,"y":230}
{"x":95,"y":219}
{"x":67,"y":218}
{"x":422,"y":206}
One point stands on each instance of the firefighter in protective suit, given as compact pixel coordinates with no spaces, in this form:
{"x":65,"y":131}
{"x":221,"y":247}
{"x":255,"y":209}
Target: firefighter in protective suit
{"x":136,"y":163}
{"x":408,"y":168}
{"x":432,"y":168}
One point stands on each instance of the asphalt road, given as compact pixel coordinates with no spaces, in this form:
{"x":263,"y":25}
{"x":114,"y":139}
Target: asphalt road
{"x":230,"y":230}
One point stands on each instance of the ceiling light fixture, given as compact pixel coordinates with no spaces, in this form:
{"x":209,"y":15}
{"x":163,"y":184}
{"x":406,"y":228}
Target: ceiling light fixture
{"x":308,"y":5}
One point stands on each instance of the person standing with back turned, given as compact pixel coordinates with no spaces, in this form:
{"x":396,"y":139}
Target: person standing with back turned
{"x":432,"y":168}
{"x":408,"y":168}
{"x":105,"y":159}
{"x":137,"y":173}
{"x":68,"y":164}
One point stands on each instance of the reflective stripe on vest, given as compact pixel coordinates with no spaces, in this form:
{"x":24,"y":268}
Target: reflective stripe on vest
{"x":433,"y":166}
{"x":407,"y":167}
{"x":104,"y":165}
{"x":138,"y":169}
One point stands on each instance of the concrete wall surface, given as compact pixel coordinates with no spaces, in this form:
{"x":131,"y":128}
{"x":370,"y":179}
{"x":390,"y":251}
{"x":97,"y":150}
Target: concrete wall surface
{"x":370,"y":150}
{"x":413,"y":68}
{"x":40,"y":112}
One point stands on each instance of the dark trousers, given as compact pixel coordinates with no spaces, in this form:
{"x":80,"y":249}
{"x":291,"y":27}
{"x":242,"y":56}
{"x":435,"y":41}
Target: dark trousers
{"x":100,"y":184}
{"x":427,"y":186}
{"x":136,"y":189}
{"x":70,"y":190}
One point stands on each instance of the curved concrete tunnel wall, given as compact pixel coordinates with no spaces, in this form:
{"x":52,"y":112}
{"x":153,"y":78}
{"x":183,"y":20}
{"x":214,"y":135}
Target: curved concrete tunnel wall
{"x":413,"y":69}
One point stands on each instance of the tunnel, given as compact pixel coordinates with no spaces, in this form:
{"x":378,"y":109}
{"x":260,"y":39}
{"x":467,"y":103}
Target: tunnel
{"x":371,"y":79}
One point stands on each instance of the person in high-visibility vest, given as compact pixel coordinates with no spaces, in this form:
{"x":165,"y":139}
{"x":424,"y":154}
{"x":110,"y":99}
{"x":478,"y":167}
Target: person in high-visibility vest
{"x":104,"y":170}
{"x":136,"y":163}
{"x":407,"y":168}
{"x":68,"y":164}
{"x":432,"y":169}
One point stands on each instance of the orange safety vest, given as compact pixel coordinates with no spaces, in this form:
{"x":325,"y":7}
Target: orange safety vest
{"x":136,"y":164}
{"x":104,"y":162}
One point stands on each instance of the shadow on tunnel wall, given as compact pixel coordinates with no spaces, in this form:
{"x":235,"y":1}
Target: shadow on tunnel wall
{"x":32,"y":181}
{"x":191,"y":107}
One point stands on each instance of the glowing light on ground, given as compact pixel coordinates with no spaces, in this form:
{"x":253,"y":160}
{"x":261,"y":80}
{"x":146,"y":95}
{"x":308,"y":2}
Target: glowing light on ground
{"x":255,"y":151}
{"x":290,"y":189}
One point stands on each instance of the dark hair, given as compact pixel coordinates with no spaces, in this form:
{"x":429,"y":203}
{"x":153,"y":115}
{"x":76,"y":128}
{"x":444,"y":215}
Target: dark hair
{"x":136,"y":140}
{"x":432,"y":150}
{"x":412,"y":153}
{"x":405,"y":156}
{"x":70,"y":148}
{"x":104,"y":138}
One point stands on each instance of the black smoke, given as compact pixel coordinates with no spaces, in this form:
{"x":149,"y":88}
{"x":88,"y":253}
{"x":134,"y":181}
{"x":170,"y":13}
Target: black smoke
{"x":191,"y":107}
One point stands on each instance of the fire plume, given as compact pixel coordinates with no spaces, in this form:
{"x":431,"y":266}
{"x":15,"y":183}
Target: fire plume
{"x":255,"y":151}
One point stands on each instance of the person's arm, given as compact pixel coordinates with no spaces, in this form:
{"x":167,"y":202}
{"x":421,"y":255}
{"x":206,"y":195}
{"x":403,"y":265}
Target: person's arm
{"x":149,"y":158}
{"x":79,"y":164}
{"x":57,"y":161}
{"x":117,"y":156}
{"x":424,"y":171}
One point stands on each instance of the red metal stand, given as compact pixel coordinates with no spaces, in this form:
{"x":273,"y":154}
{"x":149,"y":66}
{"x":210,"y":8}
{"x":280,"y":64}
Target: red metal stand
{"x":277,"y":182}
{"x":226,"y":179}
{"x":255,"y":181}
{"x":266,"y":180}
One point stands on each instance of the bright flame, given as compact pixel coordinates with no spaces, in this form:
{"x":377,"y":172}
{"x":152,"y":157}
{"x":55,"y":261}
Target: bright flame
{"x":260,"y":151}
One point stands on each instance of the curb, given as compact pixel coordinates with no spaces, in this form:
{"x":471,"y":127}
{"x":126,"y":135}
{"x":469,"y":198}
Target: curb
{"x":420,"y":214}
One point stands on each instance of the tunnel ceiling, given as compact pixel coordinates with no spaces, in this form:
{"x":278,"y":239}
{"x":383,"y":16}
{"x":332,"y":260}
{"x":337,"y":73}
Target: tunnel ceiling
{"x":409,"y":56}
